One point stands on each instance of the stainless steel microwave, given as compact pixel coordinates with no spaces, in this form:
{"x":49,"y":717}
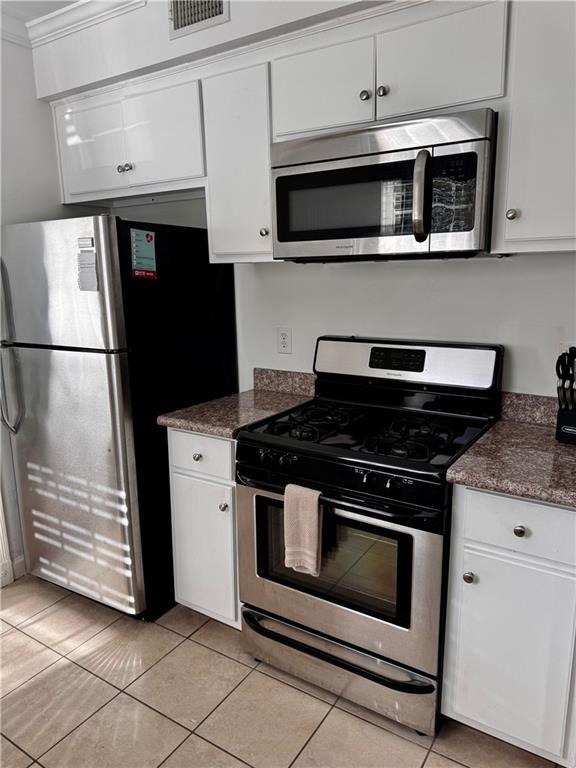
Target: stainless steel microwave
{"x":413,"y":188}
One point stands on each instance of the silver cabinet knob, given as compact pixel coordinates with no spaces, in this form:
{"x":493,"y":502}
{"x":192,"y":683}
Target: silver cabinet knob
{"x":383,"y":90}
{"x":197,"y":456}
{"x":128,"y":166}
{"x":520,"y":531}
{"x":264,"y":232}
{"x":120,"y":168}
{"x":468,"y":577}
{"x":223,"y":507}
{"x":365,"y":95}
{"x":512,"y":213}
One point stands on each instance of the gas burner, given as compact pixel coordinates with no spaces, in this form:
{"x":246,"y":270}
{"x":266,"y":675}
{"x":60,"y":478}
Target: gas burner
{"x":422,"y":430}
{"x":398,"y":448}
{"x":297,"y":430}
{"x":327,"y":415}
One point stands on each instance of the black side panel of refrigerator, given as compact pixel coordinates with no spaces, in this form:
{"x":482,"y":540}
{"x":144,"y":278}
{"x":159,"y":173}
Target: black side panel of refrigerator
{"x":181,"y":339}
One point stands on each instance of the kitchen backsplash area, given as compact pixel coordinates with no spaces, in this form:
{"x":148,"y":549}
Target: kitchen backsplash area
{"x":526,"y":302}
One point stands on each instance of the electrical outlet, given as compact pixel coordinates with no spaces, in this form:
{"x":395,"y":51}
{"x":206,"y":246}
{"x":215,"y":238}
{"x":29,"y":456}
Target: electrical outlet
{"x":284,"y":340}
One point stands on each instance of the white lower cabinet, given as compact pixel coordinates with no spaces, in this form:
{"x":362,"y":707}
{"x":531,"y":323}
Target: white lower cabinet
{"x":510,"y":623}
{"x":204,"y":543}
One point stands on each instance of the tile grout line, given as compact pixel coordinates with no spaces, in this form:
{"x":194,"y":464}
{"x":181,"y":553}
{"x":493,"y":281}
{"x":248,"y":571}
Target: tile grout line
{"x":221,"y":653}
{"x":17,"y":747}
{"x":309,"y":739}
{"x":79,"y":724}
{"x":383,"y":727}
{"x":220,"y":704}
{"x":46,"y":607}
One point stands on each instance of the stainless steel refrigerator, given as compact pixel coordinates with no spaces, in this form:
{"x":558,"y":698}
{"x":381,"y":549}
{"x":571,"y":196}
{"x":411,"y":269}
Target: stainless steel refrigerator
{"x":106,"y":324}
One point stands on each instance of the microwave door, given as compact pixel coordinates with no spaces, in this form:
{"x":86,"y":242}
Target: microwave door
{"x":356,"y":208}
{"x":460,"y":197}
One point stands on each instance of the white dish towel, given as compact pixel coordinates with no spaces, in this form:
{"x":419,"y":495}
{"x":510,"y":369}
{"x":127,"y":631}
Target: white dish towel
{"x":302,"y":530}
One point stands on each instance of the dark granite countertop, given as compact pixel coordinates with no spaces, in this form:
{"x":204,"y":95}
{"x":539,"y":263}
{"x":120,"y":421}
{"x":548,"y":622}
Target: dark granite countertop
{"x":520,"y":459}
{"x":225,"y":416}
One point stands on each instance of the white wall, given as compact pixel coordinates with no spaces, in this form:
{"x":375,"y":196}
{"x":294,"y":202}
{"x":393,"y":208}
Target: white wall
{"x":185,"y":213}
{"x":30,"y":192}
{"x":525,"y":302}
{"x":30,"y":189}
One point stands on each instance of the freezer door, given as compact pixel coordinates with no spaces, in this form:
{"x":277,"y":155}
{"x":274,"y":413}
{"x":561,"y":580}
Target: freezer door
{"x":61,"y":284}
{"x":74,"y":461}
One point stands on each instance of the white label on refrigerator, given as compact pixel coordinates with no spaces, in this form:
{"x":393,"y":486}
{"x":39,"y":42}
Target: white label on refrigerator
{"x":87,"y":271}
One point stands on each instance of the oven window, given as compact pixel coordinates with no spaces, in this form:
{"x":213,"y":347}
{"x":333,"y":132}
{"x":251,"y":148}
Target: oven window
{"x":454,"y":192}
{"x":368,"y":201}
{"x":363,"y":567}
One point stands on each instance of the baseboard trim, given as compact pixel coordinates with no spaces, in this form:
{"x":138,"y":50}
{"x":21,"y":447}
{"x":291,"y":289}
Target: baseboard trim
{"x":19,"y":566}
{"x":6,"y":573}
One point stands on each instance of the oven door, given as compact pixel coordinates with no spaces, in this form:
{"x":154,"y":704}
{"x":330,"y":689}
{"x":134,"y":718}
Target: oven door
{"x":422,"y":202}
{"x":379,"y":586}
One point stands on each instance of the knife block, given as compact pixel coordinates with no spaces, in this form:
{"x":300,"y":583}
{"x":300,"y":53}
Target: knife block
{"x":566,"y":427}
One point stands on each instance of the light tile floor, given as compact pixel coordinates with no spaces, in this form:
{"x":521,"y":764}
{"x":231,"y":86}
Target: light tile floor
{"x":83,"y":686}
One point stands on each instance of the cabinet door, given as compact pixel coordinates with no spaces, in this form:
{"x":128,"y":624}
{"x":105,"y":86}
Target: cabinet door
{"x":324,"y":88}
{"x":542,"y":145}
{"x":91,"y":143}
{"x":204,"y":547}
{"x":163,"y":131}
{"x":238,"y":165}
{"x":441,"y":62}
{"x":514,"y":646}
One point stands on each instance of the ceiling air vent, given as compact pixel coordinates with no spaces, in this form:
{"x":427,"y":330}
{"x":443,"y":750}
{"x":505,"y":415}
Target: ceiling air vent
{"x":188,"y":16}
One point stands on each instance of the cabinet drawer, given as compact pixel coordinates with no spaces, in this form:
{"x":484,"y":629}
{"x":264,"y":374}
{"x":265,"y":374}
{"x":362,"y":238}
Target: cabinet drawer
{"x":550,"y":532}
{"x":204,"y":455}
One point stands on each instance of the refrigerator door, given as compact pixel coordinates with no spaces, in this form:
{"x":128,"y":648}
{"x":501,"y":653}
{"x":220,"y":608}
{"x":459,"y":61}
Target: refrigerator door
{"x":61,"y":284}
{"x":74,"y":460}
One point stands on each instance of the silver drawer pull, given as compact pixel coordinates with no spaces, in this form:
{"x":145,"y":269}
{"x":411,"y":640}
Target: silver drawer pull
{"x":469,"y":577}
{"x":520,"y":531}
{"x":197,"y":456}
{"x":223,"y":507}
{"x":365,"y":95}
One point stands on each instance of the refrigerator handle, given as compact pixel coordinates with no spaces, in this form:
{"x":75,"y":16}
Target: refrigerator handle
{"x":20,"y":414}
{"x":7,"y":331}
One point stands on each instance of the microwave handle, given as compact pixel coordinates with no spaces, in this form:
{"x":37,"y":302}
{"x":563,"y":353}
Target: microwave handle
{"x":421,"y":196}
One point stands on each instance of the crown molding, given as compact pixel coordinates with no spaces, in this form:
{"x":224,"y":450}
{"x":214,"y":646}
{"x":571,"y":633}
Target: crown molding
{"x":75,"y":17}
{"x":14,"y":30}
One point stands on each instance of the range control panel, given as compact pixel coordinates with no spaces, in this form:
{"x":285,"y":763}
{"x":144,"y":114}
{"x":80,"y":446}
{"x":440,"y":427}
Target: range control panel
{"x":395,"y":359}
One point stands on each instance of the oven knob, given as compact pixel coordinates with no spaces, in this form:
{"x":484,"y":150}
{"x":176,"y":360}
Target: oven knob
{"x":265,"y":456}
{"x":287,"y":459}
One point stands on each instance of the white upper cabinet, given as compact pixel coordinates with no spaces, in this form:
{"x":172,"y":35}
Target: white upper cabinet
{"x":90,"y":137}
{"x":538,"y":201}
{"x":163,"y":131}
{"x":145,"y":134}
{"x":236,"y":120}
{"x":442,"y":62}
{"x":324,"y":88}
{"x":432,"y":64}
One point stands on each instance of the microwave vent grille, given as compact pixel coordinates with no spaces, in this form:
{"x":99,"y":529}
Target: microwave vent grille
{"x":188,"y":16}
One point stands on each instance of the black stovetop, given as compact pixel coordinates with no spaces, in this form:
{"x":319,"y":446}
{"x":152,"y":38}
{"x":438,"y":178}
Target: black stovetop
{"x":379,"y":435}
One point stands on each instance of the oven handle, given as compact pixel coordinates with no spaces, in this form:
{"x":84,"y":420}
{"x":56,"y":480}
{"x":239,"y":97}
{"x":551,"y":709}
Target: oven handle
{"x":395,"y":517}
{"x":420,"y":196}
{"x":413,"y":686}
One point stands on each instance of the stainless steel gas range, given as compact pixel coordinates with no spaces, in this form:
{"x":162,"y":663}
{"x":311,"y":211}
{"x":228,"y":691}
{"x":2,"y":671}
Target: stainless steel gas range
{"x":387,"y":419}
